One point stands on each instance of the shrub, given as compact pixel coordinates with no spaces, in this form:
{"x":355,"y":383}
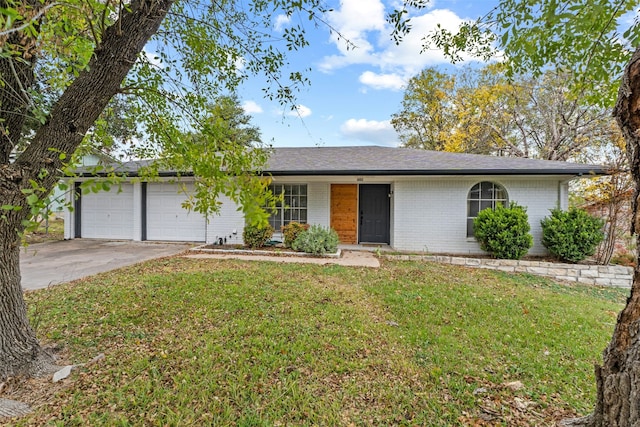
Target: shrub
{"x":625,"y":258}
{"x":256,"y":236}
{"x":291,"y":232}
{"x":571,"y":235}
{"x":317,"y":240}
{"x":504,"y":232}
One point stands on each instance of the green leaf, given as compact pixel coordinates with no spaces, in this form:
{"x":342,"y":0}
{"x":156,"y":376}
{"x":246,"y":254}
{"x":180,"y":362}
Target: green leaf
{"x":32,"y":199}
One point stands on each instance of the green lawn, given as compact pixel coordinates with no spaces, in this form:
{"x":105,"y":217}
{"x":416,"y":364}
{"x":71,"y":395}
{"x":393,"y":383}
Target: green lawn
{"x":46,"y":231}
{"x":205,"y":342}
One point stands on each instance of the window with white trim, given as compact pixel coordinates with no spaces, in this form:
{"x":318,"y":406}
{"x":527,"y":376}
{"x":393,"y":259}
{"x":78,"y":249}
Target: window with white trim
{"x":294,"y":208}
{"x":484,"y":195}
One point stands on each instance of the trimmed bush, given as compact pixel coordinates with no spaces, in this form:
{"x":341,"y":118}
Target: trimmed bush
{"x":571,"y":235}
{"x":255,"y":236}
{"x":291,"y":232}
{"x":504,"y":232}
{"x":317,"y":240}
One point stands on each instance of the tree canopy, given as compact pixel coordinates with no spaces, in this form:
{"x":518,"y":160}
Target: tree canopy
{"x":481,"y":110}
{"x":590,"y":40}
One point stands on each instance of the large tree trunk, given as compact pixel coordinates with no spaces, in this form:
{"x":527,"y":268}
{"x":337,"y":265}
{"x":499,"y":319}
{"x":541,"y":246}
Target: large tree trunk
{"x":19,"y":348}
{"x":72,"y":115}
{"x":618,"y":379}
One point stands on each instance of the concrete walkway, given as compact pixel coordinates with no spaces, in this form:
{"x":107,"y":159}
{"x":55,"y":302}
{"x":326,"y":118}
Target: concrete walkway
{"x":349,"y":258}
{"x":49,"y":263}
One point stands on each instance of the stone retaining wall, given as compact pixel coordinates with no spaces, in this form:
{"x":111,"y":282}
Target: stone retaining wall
{"x":601,"y":275}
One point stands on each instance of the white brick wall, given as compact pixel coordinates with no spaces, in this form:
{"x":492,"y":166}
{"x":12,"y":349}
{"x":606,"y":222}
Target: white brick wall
{"x":137,"y":211}
{"x":427,"y":214}
{"x":318,"y":197}
{"x":228,"y":220}
{"x":430,"y":214}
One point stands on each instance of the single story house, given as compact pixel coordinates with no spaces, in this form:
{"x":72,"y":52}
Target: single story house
{"x":411,"y":200}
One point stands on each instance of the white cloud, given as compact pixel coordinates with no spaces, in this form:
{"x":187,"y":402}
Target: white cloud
{"x":153,"y":58}
{"x":382,"y":81}
{"x":281,"y":21}
{"x":300,"y":111}
{"x":362,"y":22}
{"x":252,"y":107}
{"x":377,"y":132}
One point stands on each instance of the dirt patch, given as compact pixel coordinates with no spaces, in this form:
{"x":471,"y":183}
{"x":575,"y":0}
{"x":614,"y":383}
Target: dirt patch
{"x":21,"y":395}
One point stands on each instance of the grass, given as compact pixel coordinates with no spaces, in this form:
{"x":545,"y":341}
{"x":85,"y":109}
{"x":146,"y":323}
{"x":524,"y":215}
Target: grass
{"x":53,"y":230}
{"x":207,"y":342}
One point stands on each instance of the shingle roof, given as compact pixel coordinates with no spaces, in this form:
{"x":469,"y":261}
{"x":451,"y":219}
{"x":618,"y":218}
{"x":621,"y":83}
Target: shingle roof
{"x":375,"y":160}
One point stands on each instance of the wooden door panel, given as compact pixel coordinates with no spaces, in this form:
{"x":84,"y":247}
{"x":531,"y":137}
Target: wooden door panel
{"x":344,"y":212}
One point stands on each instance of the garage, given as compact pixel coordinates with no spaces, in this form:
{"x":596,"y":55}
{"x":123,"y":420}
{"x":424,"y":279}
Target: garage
{"x":107,"y":214}
{"x":167,"y":219}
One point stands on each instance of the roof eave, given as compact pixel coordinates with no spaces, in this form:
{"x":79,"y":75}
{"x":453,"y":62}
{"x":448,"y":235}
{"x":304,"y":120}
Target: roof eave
{"x":429,"y":172}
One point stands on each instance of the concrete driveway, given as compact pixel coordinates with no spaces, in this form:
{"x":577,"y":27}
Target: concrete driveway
{"x":50,"y":263}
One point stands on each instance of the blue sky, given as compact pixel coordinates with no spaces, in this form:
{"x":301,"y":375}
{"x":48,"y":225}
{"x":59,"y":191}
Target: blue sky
{"x":353,"y":93}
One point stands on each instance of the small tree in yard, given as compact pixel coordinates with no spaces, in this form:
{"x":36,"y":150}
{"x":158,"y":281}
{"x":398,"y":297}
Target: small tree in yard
{"x":571,"y":235}
{"x":504,"y":232}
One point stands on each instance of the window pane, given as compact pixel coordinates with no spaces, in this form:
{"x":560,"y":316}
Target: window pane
{"x":294,"y":197}
{"x":475,"y":192}
{"x":484,"y":195}
{"x":469,"y":227}
{"x":274,"y":223}
{"x":474,"y":208}
{"x":487,"y":190}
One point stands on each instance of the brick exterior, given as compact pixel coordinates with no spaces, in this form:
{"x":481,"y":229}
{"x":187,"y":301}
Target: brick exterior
{"x":223,"y":224}
{"x":318,"y":194}
{"x":428,"y":214}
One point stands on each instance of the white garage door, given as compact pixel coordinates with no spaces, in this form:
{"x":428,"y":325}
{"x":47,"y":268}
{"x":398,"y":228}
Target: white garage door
{"x":108,"y":214}
{"x":168,"y":220}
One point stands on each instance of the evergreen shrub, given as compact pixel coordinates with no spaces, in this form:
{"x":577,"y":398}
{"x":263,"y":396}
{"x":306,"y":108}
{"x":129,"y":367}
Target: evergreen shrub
{"x":571,"y":235}
{"x":504,"y":232}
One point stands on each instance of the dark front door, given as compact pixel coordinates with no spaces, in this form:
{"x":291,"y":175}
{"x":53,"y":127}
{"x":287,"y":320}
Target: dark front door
{"x":374,"y":213}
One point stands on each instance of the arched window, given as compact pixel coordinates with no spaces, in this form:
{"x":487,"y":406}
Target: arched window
{"x":484,"y":195}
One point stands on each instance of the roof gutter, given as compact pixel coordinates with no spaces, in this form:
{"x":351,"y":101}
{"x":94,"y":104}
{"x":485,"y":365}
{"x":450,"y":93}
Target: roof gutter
{"x":577,"y":173}
{"x":430,"y":172}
